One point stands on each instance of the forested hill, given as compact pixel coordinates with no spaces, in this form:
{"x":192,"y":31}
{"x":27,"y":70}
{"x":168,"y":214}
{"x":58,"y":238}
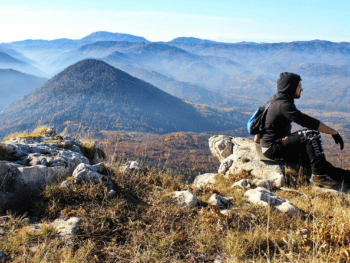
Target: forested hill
{"x":95,"y":94}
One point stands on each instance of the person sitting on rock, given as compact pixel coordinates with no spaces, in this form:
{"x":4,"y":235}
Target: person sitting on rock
{"x":277,"y":141}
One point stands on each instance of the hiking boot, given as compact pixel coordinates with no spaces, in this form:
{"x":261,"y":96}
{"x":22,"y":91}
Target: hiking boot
{"x":325,"y":181}
{"x":341,"y":175}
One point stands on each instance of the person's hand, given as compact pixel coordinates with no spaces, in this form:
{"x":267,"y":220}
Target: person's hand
{"x":338,"y":139}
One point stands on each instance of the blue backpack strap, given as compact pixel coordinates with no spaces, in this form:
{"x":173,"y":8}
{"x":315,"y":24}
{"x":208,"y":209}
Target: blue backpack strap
{"x":262,"y":124}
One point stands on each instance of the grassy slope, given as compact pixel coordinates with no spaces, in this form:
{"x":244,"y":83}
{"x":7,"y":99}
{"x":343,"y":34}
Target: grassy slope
{"x":143,"y":224}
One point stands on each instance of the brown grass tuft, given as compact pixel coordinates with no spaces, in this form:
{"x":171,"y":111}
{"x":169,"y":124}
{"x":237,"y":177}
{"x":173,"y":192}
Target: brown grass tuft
{"x":35,"y":134}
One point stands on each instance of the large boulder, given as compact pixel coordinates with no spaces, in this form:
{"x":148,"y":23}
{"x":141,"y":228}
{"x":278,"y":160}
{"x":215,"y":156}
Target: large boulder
{"x":240,"y":154}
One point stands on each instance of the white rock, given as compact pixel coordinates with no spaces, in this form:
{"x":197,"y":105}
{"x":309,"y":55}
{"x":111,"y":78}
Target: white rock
{"x":221,"y":146}
{"x":225,"y":165}
{"x":38,"y":163}
{"x":288,"y":208}
{"x":226,"y":212}
{"x":244,"y":157}
{"x":65,"y":185}
{"x":263,"y":197}
{"x":2,"y":232}
{"x":51,"y":132}
{"x":66,"y":229}
{"x":218,"y":201}
{"x":131,"y":166}
{"x":303,"y":232}
{"x":205,"y":180}
{"x":243,"y":183}
{"x":91,"y":173}
{"x":185,"y":198}
{"x":262,"y":183}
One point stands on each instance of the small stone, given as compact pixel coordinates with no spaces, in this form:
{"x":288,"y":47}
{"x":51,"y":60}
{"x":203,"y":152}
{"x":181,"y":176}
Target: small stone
{"x":263,"y":183}
{"x":218,"y":201}
{"x":204,"y":180}
{"x":243,"y":183}
{"x":185,"y":198}
{"x":2,"y":255}
{"x":51,"y":132}
{"x":225,"y":212}
{"x":303,"y":232}
{"x":131,"y":166}
{"x":67,"y":228}
{"x":288,"y":209}
{"x":65,"y":185}
{"x":263,"y":197}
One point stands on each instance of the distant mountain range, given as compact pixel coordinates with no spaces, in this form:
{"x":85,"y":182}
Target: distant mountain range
{"x":236,"y":75}
{"x":64,"y":43}
{"x":14,"y":85}
{"x":95,"y":94}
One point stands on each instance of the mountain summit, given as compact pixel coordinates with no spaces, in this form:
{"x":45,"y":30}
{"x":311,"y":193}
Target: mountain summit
{"x":95,"y":94}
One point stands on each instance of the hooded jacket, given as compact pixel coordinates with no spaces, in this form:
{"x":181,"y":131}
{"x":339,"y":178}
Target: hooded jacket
{"x":282,"y":111}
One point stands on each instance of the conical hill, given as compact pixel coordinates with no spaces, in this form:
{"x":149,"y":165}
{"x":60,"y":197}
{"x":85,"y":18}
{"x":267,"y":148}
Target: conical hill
{"x":95,"y":94}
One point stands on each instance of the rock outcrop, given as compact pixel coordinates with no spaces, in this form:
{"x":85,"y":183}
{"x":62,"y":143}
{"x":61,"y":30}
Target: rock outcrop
{"x":239,"y":154}
{"x":29,"y":165}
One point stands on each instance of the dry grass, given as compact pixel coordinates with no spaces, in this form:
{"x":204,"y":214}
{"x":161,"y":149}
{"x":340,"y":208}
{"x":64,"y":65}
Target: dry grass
{"x":35,"y":134}
{"x":142,"y":223}
{"x":88,"y":147}
{"x":4,"y":153}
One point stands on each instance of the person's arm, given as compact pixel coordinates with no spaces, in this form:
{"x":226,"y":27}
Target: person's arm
{"x":336,"y":136}
{"x":326,"y":129}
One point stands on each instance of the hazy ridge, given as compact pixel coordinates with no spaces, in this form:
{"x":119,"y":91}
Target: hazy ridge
{"x":239,"y":76}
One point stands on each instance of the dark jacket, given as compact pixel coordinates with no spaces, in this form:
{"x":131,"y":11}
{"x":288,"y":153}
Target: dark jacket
{"x":282,"y":111}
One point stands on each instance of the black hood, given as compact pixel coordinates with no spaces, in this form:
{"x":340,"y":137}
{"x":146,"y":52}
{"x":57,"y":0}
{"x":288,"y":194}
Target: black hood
{"x":287,"y":83}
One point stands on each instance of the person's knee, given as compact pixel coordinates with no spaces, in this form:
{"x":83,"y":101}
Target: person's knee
{"x":311,"y":134}
{"x":313,"y":138}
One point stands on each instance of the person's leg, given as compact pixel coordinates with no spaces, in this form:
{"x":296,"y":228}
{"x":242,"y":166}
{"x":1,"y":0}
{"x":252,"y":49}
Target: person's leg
{"x":289,"y":149}
{"x":305,"y":143}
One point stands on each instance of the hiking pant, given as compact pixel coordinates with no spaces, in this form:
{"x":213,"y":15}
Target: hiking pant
{"x":301,"y":147}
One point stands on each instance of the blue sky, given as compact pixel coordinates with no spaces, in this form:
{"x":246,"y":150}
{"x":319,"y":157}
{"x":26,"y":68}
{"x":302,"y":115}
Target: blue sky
{"x":156,"y":20}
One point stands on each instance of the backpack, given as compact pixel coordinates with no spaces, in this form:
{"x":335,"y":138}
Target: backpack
{"x":256,"y":123}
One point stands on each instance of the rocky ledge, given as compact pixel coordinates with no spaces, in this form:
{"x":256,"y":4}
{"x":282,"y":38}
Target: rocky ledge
{"x":238,"y":157}
{"x":28,"y":165}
